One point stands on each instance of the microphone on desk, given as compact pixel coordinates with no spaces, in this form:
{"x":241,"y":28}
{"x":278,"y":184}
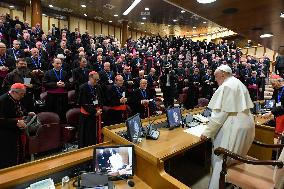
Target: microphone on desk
{"x":129,"y":182}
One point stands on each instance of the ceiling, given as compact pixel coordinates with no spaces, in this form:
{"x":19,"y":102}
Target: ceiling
{"x":159,"y":21}
{"x":247,"y":18}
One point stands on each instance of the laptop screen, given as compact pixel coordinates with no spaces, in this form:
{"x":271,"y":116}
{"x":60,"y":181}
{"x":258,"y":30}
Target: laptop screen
{"x":269,"y":104}
{"x":174,"y":117}
{"x":114,"y":160}
{"x":134,"y":127}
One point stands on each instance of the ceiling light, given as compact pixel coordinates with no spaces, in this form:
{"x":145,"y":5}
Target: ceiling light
{"x":11,"y":6}
{"x":174,"y":20}
{"x":84,"y":6}
{"x":164,"y":30}
{"x":266,"y":35}
{"x":50,"y":5}
{"x":182,"y":11}
{"x":43,"y":14}
{"x":169,"y":25}
{"x":85,"y":14}
{"x":116,"y":15}
{"x":204,"y":22}
{"x":205,"y":1}
{"x":143,"y":18}
{"x":146,"y":9}
{"x":282,"y":15}
{"x":195,"y":35}
{"x":145,"y":30}
{"x":193,"y":27}
{"x":110,"y":21}
{"x":201,"y":34}
{"x":131,"y":7}
{"x":142,"y":23}
{"x":187,"y":32}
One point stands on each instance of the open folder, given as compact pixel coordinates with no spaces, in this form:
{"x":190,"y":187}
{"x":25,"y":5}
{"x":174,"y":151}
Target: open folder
{"x":197,"y":130}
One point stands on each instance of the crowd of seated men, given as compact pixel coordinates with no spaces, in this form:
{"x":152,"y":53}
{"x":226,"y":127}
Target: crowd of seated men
{"x":60,"y":61}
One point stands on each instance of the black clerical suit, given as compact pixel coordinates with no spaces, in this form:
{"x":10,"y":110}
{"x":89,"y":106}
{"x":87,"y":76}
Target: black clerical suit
{"x":89,"y":100}
{"x":11,"y":137}
{"x":194,"y":82}
{"x":135,"y":102}
{"x":114,"y":95}
{"x":207,"y":83}
{"x":8,"y":61}
{"x":57,"y":98}
{"x":80,"y":76}
{"x":168,"y":87}
{"x":16,"y":53}
{"x":17,"y":76}
{"x":253,"y":84}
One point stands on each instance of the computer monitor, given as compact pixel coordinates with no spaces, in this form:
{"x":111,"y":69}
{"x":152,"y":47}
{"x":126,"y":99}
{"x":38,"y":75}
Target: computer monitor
{"x":115,"y":161}
{"x":207,"y":112}
{"x":269,"y":104}
{"x":134,"y":128}
{"x":174,"y":117}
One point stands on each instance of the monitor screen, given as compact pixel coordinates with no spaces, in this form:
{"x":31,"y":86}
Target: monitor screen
{"x":207,"y":112}
{"x":174,"y":117}
{"x":269,"y":104}
{"x":114,"y":160}
{"x":134,"y":128}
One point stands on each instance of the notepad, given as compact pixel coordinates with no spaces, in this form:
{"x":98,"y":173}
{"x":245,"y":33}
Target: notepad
{"x":196,"y":131}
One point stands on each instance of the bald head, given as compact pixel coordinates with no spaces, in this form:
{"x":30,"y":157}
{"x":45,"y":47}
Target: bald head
{"x":119,"y":80}
{"x":143,"y":84}
{"x":34,"y":52}
{"x":107,"y":66}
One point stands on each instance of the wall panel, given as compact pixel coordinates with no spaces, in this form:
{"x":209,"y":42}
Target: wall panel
{"x":98,"y":29}
{"x":82,"y":25}
{"x":104,"y":29}
{"x":45,"y":24}
{"x":117,"y":33}
{"x":90,"y":27}
{"x":62,"y":23}
{"x":53,"y":21}
{"x":18,"y":13}
{"x":4,"y":10}
{"x":111,"y":30}
{"x":74,"y":23}
{"x":29,"y":15}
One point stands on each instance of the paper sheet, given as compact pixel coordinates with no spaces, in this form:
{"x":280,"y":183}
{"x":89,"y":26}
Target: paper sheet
{"x":196,"y":131}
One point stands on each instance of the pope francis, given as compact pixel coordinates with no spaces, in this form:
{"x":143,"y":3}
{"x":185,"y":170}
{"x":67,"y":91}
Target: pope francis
{"x":231,"y":124}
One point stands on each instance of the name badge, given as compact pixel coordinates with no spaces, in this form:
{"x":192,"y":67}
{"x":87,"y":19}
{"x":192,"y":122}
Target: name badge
{"x":110,"y":81}
{"x":123,"y":94}
{"x":278,"y":104}
{"x":95,"y":102}
{"x":27,"y":81}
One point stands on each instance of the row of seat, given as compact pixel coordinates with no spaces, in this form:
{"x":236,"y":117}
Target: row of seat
{"x":53,"y":134}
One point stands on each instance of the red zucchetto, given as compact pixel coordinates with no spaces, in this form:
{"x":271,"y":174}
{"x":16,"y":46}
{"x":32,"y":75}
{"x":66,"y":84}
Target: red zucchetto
{"x":18,"y":86}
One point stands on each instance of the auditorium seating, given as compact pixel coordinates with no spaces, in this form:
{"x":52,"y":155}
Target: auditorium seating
{"x":49,"y":135}
{"x":252,"y":173}
{"x":70,"y":129}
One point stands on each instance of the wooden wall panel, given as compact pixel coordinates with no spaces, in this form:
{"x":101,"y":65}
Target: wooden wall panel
{"x":111,"y":30}
{"x":117,"y":33}
{"x":98,"y":29}
{"x":29,"y":15}
{"x":4,"y":10}
{"x":74,"y":23}
{"x":18,"y":13}
{"x":62,"y":23}
{"x":82,"y":25}
{"x":104,"y":29}
{"x":45,"y":24}
{"x":90,"y":27}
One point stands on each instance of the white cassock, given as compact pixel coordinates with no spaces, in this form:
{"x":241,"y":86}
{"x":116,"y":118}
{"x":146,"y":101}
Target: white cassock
{"x":231,"y":124}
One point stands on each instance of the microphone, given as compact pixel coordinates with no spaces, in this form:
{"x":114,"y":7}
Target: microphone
{"x":129,"y":182}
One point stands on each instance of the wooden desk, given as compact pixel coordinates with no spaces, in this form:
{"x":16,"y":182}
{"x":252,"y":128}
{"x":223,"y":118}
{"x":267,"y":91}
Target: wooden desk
{"x":151,"y":154}
{"x":121,"y":184}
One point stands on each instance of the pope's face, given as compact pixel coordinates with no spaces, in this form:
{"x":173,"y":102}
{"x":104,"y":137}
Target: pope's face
{"x":219,"y":77}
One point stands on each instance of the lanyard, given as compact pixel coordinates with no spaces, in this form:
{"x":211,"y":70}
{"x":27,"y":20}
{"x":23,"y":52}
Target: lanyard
{"x":143,"y":93}
{"x":15,"y":54}
{"x":253,"y":80}
{"x":118,"y":91}
{"x":280,"y":94}
{"x":127,"y":76}
{"x":60,"y":74}
{"x":108,"y":75}
{"x":38,"y":64}
{"x":3,"y":60}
